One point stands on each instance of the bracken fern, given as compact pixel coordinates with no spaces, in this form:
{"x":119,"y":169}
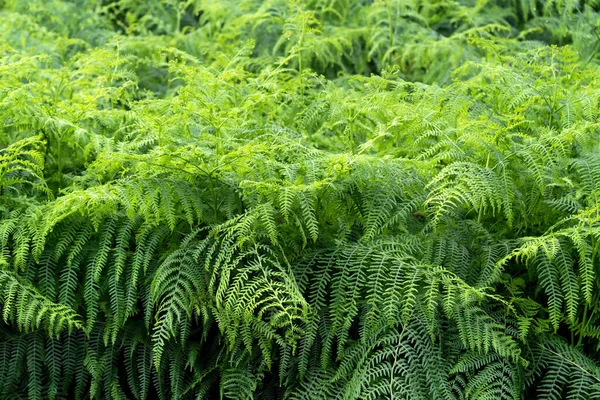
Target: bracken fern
{"x":308,"y":199}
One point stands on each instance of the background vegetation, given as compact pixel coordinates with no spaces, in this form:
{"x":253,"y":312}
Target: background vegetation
{"x":317,"y":199}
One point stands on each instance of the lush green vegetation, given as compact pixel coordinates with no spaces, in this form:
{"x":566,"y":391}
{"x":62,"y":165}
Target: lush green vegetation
{"x":318,"y":199}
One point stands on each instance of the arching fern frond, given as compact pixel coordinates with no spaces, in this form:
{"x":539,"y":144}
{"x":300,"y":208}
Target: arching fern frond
{"x":28,"y":310}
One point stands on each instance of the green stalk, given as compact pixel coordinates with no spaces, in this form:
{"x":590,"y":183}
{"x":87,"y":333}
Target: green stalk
{"x":480,"y":215}
{"x":60,"y":164}
{"x":390,"y":28}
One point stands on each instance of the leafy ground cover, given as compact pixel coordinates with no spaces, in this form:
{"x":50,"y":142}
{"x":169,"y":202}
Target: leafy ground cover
{"x":317,"y":199}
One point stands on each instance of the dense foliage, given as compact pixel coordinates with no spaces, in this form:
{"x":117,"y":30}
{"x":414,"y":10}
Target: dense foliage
{"x":317,"y":199}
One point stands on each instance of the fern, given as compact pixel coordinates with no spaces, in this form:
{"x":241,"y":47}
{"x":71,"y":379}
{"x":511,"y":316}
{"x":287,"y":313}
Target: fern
{"x":304,"y":199}
{"x":29,"y":310}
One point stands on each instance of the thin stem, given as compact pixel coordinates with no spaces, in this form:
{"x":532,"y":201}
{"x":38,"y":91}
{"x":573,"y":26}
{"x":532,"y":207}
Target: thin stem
{"x":480,"y":215}
{"x":390,"y":27}
{"x":583,"y":323}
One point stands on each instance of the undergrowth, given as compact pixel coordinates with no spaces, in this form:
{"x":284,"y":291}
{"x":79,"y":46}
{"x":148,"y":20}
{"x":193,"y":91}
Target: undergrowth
{"x":316,"y":199}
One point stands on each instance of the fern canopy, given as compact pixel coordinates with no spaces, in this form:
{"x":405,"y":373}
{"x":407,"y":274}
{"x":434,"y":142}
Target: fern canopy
{"x":308,"y":199}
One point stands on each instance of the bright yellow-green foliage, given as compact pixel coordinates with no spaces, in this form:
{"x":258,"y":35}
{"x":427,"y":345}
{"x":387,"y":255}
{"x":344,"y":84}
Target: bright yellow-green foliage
{"x":310,"y":199}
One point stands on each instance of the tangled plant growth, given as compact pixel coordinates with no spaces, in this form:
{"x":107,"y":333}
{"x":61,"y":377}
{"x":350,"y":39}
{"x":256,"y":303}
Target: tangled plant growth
{"x":317,"y":199}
